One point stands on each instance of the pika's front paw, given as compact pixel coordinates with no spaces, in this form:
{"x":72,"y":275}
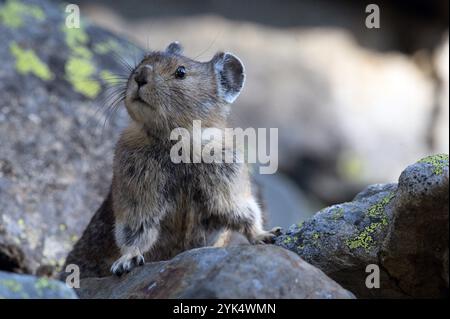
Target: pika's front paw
{"x":276,"y":231}
{"x":267,"y":237}
{"x":125,"y":263}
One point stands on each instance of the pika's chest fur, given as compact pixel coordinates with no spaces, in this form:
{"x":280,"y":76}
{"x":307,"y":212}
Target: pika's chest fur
{"x":145,"y":177}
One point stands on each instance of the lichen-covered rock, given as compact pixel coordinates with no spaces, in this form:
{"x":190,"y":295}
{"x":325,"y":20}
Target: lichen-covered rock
{"x":261,"y":271}
{"x":401,"y":228}
{"x":415,"y":251}
{"x":52,"y":139}
{"x":14,"y":286}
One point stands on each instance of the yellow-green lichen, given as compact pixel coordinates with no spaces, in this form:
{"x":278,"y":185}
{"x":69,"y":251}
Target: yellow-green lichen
{"x":75,"y":36}
{"x":109,"y":77}
{"x":300,"y":224}
{"x":13,"y":11}
{"x":350,"y":166}
{"x":43,"y":283}
{"x":439,"y":162}
{"x":28,"y":62}
{"x":80,"y":70}
{"x":108,"y":46}
{"x":338,"y":213}
{"x":74,"y":238}
{"x":11,"y":284}
{"x":82,"y":52}
{"x":377,"y":211}
{"x":364,"y":239}
{"x":315,"y":238}
{"x":21,"y":222}
{"x":289,"y":240}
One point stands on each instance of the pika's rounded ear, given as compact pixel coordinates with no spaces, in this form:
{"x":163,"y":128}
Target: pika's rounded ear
{"x":174,"y":48}
{"x":230,"y":75}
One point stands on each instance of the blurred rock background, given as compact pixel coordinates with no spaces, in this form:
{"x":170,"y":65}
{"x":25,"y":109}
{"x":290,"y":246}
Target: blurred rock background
{"x":353,"y":105}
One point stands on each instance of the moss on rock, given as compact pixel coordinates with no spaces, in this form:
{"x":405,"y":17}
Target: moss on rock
{"x":107,"y":46}
{"x":28,"y":62}
{"x":377,"y":211}
{"x":80,"y":70}
{"x":11,"y":285}
{"x":364,"y":239}
{"x":338,"y":213}
{"x":378,"y":220}
{"x":13,"y":11}
{"x":438,"y":161}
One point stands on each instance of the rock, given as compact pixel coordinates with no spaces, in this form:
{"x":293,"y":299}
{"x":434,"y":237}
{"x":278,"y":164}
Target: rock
{"x":415,"y":251}
{"x":262,"y":271}
{"x":14,"y":286}
{"x":55,"y":164}
{"x":283,"y":201}
{"x":401,"y":228}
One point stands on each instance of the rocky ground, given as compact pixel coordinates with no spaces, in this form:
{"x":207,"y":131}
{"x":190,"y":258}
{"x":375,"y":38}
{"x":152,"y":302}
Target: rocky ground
{"x":55,"y":169}
{"x":16,"y":286}
{"x":402,"y":228}
{"x":236,"y":272}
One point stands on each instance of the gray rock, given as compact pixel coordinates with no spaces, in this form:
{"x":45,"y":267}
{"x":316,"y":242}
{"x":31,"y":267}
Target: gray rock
{"x":262,"y":271}
{"x":401,"y":228}
{"x":415,"y":251}
{"x":14,"y":286}
{"x":283,"y":201}
{"x":56,"y":156}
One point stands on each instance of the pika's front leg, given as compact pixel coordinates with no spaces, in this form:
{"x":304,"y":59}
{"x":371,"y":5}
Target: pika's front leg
{"x":133,"y":241}
{"x":137,"y":204}
{"x":244,"y":215}
{"x":231,"y":203}
{"x":249,"y":219}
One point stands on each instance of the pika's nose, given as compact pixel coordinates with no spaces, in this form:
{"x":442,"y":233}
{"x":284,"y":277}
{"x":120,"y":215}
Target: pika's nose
{"x":142,"y":75}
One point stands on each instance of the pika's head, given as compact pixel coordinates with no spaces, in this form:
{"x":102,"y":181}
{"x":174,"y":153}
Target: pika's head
{"x":168,"y":90}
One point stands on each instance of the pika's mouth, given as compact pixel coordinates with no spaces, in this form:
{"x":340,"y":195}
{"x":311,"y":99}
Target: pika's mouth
{"x":138,"y":98}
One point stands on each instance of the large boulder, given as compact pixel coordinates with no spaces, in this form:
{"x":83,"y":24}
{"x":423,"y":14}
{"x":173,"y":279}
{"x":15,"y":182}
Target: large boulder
{"x":402,"y":228}
{"x":56,"y":155}
{"x":239,"y":272}
{"x":14,"y":286}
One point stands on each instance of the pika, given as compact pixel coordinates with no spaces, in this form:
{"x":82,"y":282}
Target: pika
{"x":157,"y":208}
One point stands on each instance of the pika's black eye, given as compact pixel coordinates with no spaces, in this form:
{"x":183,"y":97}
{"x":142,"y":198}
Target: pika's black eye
{"x":180,"y":73}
